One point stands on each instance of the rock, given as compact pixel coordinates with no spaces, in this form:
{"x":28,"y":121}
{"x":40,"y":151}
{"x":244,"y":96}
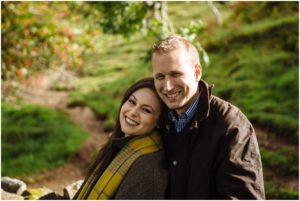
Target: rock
{"x":13,"y":185}
{"x":10,"y":196}
{"x":70,"y":191}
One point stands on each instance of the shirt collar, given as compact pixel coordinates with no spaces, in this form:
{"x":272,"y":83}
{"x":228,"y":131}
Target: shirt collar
{"x":188,"y":114}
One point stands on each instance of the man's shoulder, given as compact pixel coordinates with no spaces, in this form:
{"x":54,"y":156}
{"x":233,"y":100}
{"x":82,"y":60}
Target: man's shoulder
{"x":222,"y":105}
{"x":226,"y":111}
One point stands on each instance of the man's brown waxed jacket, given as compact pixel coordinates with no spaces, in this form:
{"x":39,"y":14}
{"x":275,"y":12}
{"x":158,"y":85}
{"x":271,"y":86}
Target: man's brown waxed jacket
{"x":217,"y":156}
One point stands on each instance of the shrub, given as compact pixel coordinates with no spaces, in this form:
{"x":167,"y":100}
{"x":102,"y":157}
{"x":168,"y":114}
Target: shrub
{"x":36,"y":139}
{"x":282,"y":161}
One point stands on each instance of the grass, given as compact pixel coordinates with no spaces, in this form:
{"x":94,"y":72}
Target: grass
{"x":251,"y":32}
{"x":282,"y":161}
{"x":279,"y":192}
{"x":36,"y":139}
{"x":269,"y":87}
{"x":255,"y":66}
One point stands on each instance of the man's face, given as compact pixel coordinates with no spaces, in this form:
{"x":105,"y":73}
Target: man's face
{"x":176,"y":79}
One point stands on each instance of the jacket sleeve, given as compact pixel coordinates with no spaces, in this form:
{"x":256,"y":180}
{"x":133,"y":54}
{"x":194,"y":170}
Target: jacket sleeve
{"x":240,"y":175}
{"x":145,"y":180}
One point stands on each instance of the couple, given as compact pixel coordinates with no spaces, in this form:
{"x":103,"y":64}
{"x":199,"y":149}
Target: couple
{"x":175,"y":140}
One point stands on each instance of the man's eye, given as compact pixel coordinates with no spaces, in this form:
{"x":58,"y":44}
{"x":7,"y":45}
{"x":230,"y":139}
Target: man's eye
{"x":160,"y":77}
{"x":175,"y":74}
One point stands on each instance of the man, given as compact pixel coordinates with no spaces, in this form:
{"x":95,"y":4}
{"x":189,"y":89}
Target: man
{"x":210,"y":145}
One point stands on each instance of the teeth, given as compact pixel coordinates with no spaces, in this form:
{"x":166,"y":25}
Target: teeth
{"x":130,"y":121}
{"x":172,"y":95}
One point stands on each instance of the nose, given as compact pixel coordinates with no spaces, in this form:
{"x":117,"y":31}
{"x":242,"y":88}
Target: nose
{"x":168,"y":85}
{"x":133,"y":112}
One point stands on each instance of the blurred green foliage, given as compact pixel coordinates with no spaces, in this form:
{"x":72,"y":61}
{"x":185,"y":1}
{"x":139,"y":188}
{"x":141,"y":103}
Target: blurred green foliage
{"x":282,"y":161}
{"x":274,"y":192}
{"x":35,"y":139}
{"x":123,"y":18}
{"x":254,"y":59}
{"x":106,"y":98}
{"x":40,"y":35}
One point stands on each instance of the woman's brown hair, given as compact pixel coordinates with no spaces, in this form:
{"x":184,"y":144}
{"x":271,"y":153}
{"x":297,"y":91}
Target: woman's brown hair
{"x":147,"y":82}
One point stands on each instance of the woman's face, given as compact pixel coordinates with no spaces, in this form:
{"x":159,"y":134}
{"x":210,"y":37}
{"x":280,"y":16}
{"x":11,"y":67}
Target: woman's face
{"x":139,"y":114}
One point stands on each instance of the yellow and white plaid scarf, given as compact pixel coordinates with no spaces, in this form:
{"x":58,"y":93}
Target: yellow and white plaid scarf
{"x":107,"y":185}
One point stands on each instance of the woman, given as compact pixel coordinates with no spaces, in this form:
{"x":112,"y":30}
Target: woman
{"x":130,"y":166}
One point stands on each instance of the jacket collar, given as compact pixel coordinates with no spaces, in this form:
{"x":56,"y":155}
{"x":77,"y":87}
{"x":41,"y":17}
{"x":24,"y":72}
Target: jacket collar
{"x":204,"y":102}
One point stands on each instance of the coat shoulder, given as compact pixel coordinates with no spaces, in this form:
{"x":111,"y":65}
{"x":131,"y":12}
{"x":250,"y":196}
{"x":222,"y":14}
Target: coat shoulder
{"x":227,"y":112}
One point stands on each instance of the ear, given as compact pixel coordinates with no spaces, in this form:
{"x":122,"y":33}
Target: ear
{"x":198,"y":72}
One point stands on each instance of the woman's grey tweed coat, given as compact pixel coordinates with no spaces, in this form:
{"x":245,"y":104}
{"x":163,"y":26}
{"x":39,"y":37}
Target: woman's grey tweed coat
{"x":145,"y":180}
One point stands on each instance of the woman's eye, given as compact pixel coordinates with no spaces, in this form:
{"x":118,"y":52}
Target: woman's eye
{"x":146,"y":110}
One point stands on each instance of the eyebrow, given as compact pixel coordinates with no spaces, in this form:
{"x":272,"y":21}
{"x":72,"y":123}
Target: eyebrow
{"x":143,"y":104}
{"x":133,"y":96}
{"x":173,"y":71}
{"x":157,"y":74}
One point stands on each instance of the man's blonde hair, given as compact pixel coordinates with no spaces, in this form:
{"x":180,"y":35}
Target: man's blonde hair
{"x":175,"y":42}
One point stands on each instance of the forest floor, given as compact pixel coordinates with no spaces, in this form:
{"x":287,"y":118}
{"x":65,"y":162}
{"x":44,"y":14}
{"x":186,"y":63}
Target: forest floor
{"x":75,"y":169}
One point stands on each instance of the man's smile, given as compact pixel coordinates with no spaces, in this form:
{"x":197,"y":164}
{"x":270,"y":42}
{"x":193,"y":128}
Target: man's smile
{"x":172,"y":95}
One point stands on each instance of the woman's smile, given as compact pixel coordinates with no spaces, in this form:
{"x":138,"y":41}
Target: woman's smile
{"x":130,"y":121}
